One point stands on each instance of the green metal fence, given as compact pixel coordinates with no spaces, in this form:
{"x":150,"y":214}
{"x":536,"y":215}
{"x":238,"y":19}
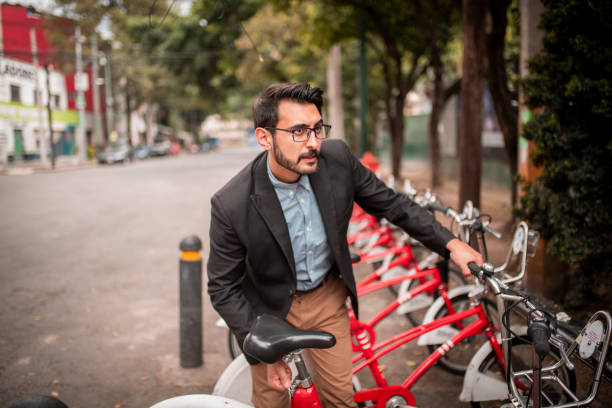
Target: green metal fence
{"x":416,"y":148}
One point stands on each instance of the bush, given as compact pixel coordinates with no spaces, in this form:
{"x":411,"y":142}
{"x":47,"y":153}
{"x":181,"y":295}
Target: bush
{"x":570,"y":92}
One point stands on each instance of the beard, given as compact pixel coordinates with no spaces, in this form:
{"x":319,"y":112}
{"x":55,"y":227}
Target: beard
{"x":285,"y":162}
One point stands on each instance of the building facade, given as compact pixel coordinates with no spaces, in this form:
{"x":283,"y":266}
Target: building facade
{"x":29,"y":80}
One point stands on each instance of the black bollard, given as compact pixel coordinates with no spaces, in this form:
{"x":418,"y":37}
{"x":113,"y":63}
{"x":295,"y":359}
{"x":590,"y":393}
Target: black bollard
{"x":190,"y":276}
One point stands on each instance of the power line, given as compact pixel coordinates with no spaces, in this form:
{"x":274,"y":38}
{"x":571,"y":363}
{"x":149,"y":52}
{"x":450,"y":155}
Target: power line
{"x":167,"y":56}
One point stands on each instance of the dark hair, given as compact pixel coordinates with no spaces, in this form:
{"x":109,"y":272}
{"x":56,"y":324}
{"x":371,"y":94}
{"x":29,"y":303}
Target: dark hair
{"x":265,"y":108}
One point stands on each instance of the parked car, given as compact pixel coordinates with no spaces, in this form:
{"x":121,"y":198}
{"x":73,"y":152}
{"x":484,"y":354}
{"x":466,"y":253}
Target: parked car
{"x":161,"y":146}
{"x":114,"y":153}
{"x":210,"y":143}
{"x":142,"y":151}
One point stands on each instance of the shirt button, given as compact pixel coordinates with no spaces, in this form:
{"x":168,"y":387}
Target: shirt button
{"x":291,"y":193}
{"x":302,"y":201}
{"x":307,"y":229}
{"x":310,"y":272}
{"x":309,"y":252}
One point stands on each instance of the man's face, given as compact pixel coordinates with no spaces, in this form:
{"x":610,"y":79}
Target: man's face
{"x":289,"y":159}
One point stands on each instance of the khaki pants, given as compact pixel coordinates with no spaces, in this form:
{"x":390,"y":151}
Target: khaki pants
{"x":323,"y":308}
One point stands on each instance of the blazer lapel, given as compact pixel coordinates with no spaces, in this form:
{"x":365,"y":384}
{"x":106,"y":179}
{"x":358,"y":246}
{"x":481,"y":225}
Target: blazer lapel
{"x":266,"y":203}
{"x":321,"y":185}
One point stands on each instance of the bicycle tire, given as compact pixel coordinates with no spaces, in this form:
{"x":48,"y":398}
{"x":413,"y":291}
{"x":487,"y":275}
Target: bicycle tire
{"x":232,"y":345}
{"x":455,"y":279}
{"x":457,"y":359}
{"x":490,"y":366}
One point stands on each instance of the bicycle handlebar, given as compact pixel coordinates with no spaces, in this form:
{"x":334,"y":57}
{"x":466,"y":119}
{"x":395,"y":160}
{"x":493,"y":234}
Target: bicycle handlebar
{"x":484,"y":271}
{"x":437,"y":207}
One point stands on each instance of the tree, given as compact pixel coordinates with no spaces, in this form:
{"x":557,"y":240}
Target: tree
{"x":394,"y":35}
{"x":472,"y":82}
{"x":180,"y":63}
{"x":439,"y":19}
{"x":281,"y":52}
{"x":502,"y":63}
{"x":569,"y":90}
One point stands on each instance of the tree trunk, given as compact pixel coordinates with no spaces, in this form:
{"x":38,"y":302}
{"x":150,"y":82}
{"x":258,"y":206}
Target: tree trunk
{"x":470,"y":126}
{"x":128,"y":113}
{"x":437,"y":106}
{"x":396,"y":121}
{"x":507,"y":114}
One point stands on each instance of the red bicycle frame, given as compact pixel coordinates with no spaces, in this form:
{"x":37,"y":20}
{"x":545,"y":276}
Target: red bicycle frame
{"x":306,"y":398}
{"x":405,"y":258}
{"x":364,"y":331}
{"x":370,"y":352}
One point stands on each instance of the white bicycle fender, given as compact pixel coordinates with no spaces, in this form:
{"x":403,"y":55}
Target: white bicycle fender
{"x":235,"y":381}
{"x":200,"y":401}
{"x":481,"y":387}
{"x":441,"y":335}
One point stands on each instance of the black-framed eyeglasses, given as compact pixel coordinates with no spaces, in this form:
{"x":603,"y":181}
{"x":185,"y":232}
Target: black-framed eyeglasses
{"x":302,"y":134}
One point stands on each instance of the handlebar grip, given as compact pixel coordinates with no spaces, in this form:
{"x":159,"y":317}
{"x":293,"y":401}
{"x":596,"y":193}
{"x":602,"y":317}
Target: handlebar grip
{"x":539,"y":333}
{"x":437,"y":207}
{"x":475,"y":269}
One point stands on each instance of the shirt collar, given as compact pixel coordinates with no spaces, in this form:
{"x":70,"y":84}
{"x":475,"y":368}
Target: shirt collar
{"x":303,"y":181}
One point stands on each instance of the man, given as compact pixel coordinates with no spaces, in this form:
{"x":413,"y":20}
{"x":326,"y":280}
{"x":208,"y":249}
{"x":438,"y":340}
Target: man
{"x":278,"y":238}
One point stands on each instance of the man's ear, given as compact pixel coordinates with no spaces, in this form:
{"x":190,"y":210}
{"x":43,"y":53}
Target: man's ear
{"x":264,"y":138}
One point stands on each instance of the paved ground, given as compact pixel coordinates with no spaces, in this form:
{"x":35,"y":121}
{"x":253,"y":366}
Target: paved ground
{"x":89,"y":282}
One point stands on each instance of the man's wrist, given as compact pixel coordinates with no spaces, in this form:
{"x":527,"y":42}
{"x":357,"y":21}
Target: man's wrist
{"x":453,"y":244}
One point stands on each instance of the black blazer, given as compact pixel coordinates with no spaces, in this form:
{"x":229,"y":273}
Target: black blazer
{"x":251,"y":269}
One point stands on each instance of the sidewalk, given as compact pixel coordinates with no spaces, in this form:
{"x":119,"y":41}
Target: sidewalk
{"x":62,"y":163}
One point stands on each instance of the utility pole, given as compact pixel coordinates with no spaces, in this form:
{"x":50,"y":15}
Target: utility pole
{"x":108,"y":88}
{"x":38,"y":93}
{"x":81,"y":84}
{"x":49,"y":117}
{"x":97,"y":139}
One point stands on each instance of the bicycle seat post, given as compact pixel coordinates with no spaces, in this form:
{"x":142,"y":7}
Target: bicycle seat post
{"x":303,"y":378}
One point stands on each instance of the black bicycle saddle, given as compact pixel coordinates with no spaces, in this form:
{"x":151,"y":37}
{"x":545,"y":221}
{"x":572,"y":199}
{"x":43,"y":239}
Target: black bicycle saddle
{"x":271,"y":338}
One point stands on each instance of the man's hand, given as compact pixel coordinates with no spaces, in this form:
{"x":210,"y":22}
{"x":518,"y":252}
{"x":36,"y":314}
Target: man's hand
{"x":279,"y":375}
{"x":462,"y":254}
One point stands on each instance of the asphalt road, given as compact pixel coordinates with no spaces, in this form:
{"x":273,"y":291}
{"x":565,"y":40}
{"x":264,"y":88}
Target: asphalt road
{"x":89,"y":285}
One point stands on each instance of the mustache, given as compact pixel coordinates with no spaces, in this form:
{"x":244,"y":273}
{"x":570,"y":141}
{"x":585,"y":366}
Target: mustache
{"x":309,"y":154}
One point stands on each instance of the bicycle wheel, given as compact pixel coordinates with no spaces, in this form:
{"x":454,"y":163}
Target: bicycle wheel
{"x":521,"y":360}
{"x":455,"y":279}
{"x":232,"y":345}
{"x":457,"y":359}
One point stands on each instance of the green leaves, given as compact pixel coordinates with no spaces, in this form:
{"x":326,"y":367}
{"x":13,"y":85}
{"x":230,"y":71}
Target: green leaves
{"x":571,"y":87}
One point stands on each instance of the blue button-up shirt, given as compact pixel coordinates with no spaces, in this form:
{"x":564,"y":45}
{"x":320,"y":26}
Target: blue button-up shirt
{"x":311,"y":252}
